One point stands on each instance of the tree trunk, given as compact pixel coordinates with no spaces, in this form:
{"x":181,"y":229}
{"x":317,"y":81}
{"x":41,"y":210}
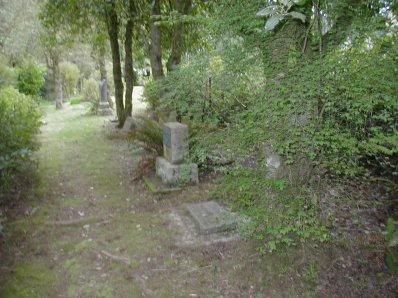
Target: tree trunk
{"x":128,"y":67}
{"x":183,"y":8}
{"x":57,"y":81}
{"x":113,"y":26}
{"x":155,"y":52}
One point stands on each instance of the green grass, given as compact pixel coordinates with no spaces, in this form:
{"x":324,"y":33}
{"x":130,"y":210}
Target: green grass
{"x":33,"y":279}
{"x":76,"y":100}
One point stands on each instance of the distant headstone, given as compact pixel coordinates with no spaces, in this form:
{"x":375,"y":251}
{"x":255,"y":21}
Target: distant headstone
{"x":211,"y":218}
{"x":172,"y":168}
{"x":104,"y":108}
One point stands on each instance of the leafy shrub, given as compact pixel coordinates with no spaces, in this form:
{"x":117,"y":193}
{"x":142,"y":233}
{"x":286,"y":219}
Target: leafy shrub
{"x":70,"y":75}
{"x":279,"y":215}
{"x":349,"y":103}
{"x":339,"y":111}
{"x":152,"y":94}
{"x":30,"y":79}
{"x":206,"y":88}
{"x":76,"y":100}
{"x":90,"y":93}
{"x":8,"y":76}
{"x":149,"y":133}
{"x":19,"y":122}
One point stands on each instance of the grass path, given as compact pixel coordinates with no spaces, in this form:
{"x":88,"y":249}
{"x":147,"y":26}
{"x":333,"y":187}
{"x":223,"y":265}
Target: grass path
{"x":121,"y":243}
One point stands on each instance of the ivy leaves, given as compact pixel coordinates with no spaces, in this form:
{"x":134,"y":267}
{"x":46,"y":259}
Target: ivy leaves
{"x":277,"y":13}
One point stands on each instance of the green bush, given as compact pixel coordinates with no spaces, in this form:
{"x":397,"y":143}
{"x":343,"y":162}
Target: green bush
{"x":280,"y":214}
{"x":348,"y":105}
{"x":19,"y":122}
{"x":152,"y":94}
{"x":340,"y":111}
{"x":76,"y":100}
{"x":70,"y":75}
{"x":205,"y":88}
{"x":149,"y":134}
{"x":90,"y":92}
{"x":8,"y":76}
{"x":30,"y":79}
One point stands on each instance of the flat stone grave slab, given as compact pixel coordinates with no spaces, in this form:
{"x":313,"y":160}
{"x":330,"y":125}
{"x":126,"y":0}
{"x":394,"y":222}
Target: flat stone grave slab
{"x":211,"y":218}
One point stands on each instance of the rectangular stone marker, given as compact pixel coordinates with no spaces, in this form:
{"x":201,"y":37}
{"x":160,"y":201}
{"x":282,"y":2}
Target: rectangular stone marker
{"x":175,"y":142}
{"x":211,"y":218}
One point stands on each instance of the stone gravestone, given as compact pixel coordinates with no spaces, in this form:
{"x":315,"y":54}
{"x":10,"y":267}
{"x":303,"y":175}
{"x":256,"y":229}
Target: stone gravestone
{"x":173,"y":168}
{"x":104,"y":108}
{"x":211,"y":218}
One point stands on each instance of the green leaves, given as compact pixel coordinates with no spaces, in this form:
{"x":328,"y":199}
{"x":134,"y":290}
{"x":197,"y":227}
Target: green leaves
{"x":276,"y":13}
{"x":268,"y":11}
{"x":19,"y":122}
{"x":273,"y":21}
{"x":277,"y":218}
{"x":297,"y":15}
{"x":30,"y":79}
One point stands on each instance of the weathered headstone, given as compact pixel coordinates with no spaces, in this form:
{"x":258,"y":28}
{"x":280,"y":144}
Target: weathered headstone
{"x":175,"y":142}
{"x":104,"y":108}
{"x":173,"y":167}
{"x":211,"y":218}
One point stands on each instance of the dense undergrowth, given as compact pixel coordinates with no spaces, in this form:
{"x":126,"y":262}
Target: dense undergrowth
{"x":20,"y":122}
{"x":334,"y":110}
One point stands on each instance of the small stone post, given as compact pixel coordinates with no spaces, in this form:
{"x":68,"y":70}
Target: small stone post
{"x":173,"y":168}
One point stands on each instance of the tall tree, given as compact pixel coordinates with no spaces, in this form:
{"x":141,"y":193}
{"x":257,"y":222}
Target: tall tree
{"x":113,"y":31}
{"x":183,"y":8}
{"x":155,"y":52}
{"x":128,"y":49}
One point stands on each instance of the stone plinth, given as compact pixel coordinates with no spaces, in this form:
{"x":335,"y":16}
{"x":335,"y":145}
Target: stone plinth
{"x":176,"y":174}
{"x":175,"y":142}
{"x":211,"y":218}
{"x":104,"y":109}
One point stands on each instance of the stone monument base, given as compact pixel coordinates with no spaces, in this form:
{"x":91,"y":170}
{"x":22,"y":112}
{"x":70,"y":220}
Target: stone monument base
{"x":172,"y":174}
{"x":104,"y":109}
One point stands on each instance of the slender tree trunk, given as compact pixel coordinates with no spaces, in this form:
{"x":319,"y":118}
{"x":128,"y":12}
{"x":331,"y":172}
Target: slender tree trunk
{"x":113,"y":26}
{"x":318,"y":18}
{"x":57,"y":81}
{"x":155,"y":52}
{"x":128,"y":63}
{"x":183,"y":7}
